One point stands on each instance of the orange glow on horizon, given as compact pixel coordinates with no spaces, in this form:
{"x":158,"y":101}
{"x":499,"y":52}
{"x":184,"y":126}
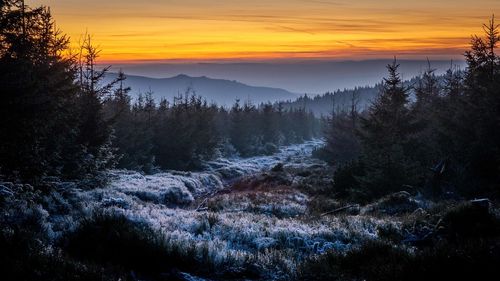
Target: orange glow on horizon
{"x":197,"y":30}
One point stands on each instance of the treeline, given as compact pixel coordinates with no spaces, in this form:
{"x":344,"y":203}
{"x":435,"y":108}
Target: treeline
{"x":182,"y":133}
{"x":341,"y":100}
{"x":58,"y":117}
{"x":323,"y":105}
{"x":445,"y":140}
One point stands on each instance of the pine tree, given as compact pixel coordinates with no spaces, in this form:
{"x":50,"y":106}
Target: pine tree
{"x":37,"y":111}
{"x":94,"y":130}
{"x":241,"y":132}
{"x":425,"y":110}
{"x":132,"y":130}
{"x":386,"y":138}
{"x":342,"y":142}
{"x":185,"y":133}
{"x":479,"y":134}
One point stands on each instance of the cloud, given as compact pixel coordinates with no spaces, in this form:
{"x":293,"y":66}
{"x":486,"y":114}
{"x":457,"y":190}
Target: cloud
{"x":188,"y":29}
{"x":325,"y":2}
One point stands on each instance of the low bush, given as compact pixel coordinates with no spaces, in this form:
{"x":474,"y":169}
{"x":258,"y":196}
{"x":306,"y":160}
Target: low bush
{"x":114,"y":239}
{"x":469,"y":221}
{"x":346,"y":182}
{"x":463,"y":244}
{"x":26,"y":246}
{"x":378,"y":261}
{"x":132,"y":246}
{"x":393,"y":204}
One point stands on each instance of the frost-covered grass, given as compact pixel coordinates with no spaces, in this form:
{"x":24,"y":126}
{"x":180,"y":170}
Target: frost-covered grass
{"x":243,"y":229}
{"x":294,"y":155}
{"x":264,"y":221}
{"x":253,"y":222}
{"x":235,"y":237}
{"x":258,"y":223}
{"x":248,"y":220}
{"x":174,"y":188}
{"x":236,"y":217}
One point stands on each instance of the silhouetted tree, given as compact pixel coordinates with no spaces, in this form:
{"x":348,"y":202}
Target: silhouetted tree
{"x":37,"y":108}
{"x":386,"y":138}
{"x":94,"y":131}
{"x":479,"y":129}
{"x":342,"y":142}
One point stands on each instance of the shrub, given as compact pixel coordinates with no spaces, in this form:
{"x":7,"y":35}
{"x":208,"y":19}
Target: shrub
{"x":346,"y":183}
{"x":26,"y":246}
{"x":393,"y":204}
{"x":475,"y":260}
{"x":114,"y":239}
{"x":132,"y":246}
{"x":464,"y":247}
{"x":467,"y":221}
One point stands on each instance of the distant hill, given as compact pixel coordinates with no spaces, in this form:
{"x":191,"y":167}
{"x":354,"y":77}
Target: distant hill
{"x":220,"y":91}
{"x":301,"y":76}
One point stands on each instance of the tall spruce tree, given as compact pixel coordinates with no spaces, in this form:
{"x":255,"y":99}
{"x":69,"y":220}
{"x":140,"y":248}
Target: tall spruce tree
{"x":132,"y":131}
{"x":342,"y":142}
{"x":479,"y":132}
{"x":37,"y":108}
{"x":426,"y":110}
{"x":94,"y":130}
{"x":386,"y":138}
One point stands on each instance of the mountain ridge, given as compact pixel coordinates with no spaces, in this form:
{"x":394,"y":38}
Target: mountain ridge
{"x":220,"y":91}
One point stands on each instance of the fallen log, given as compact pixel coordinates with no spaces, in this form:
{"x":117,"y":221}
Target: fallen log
{"x":339,"y":210}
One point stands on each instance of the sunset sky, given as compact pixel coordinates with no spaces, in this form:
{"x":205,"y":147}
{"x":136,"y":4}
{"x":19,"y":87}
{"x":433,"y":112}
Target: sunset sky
{"x":221,"y":30}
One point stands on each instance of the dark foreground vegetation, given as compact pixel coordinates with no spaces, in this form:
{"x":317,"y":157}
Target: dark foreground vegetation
{"x":447,"y":243}
{"x":397,"y":201}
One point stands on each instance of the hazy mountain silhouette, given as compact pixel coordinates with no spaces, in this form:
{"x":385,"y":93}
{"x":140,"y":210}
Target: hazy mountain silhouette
{"x":220,"y":91}
{"x":311,"y":77}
